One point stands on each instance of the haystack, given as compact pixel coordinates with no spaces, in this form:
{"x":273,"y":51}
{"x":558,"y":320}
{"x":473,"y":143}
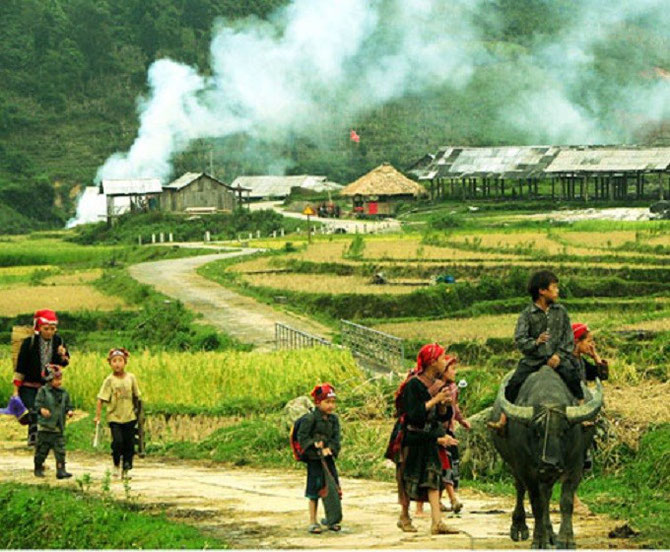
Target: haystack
{"x":385,"y":180}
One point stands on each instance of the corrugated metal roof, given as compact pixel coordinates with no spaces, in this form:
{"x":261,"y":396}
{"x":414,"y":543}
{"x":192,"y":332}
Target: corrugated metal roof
{"x":385,"y":180}
{"x":138,"y":186}
{"x":183,"y":181}
{"x":503,"y":161}
{"x":610,"y":160}
{"x":280,"y":186}
{"x":188,"y":178}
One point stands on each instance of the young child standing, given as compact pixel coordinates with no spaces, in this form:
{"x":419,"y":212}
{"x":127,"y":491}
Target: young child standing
{"x":44,"y":348}
{"x":319,"y":434}
{"x":53,"y":405}
{"x":117,"y":392}
{"x":543,"y":335}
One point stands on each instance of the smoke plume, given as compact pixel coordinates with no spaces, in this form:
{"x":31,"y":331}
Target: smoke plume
{"x":595,"y":72}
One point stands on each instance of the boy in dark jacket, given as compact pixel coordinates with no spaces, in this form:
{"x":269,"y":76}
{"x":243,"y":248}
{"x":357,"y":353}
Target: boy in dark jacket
{"x":543,"y":335}
{"x":53,"y":406}
{"x":43,"y":349}
{"x":319,"y":434}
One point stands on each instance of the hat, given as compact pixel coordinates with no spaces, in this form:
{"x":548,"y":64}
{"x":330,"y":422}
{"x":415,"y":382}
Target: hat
{"x":579,"y":330}
{"x":51,"y":372}
{"x":323,"y":391}
{"x":43,"y":317}
{"x":118,"y":351}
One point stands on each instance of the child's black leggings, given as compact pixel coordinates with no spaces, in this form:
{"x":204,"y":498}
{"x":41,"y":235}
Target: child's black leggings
{"x":123,"y":443}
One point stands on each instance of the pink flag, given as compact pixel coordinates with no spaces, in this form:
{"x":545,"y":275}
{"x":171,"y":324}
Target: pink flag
{"x":354,"y":137}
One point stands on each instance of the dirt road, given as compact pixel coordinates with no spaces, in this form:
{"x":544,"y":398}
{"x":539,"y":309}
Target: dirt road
{"x":237,"y":315}
{"x":350,"y":226}
{"x":265,"y":509}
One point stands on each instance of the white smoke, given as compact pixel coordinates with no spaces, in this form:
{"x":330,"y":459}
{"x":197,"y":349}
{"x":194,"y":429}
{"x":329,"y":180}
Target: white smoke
{"x":318,"y":64}
{"x":570,"y":102}
{"x":91,"y":207}
{"x":314,"y":62}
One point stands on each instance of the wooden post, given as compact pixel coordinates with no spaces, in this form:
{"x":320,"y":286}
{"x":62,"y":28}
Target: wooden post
{"x":553,"y":188}
{"x":660,"y":185}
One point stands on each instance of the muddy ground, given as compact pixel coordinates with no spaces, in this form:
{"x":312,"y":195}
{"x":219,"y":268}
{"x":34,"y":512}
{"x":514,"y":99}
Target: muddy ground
{"x":262,"y":508}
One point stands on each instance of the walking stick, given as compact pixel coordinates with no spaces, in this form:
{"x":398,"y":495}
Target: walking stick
{"x":330,"y":495}
{"x":96,"y":438}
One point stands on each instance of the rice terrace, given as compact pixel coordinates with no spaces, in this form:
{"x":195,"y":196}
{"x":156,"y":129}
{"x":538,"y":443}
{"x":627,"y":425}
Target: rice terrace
{"x":421,"y":247}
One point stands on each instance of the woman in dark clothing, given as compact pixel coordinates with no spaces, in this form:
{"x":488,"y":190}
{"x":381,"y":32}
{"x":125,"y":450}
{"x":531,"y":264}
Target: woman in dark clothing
{"x":418,"y":439}
{"x":42,"y":349}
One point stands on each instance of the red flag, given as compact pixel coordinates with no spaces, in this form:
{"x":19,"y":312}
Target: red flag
{"x":354,"y":137}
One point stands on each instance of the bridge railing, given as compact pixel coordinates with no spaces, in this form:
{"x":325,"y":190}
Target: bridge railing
{"x":372,"y":346}
{"x":287,"y":337}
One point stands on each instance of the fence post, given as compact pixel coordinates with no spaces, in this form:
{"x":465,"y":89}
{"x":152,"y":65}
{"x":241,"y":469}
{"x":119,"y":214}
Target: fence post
{"x":139,"y":240}
{"x":281,"y":232}
{"x":207,"y":236}
{"x":153,"y":238}
{"x":170,"y":237}
{"x":258,"y":233}
{"x":274,"y":233}
{"x":161,"y":237}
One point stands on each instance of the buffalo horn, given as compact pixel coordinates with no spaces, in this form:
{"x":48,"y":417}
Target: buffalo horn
{"x":588,"y":411}
{"x":514,"y":411}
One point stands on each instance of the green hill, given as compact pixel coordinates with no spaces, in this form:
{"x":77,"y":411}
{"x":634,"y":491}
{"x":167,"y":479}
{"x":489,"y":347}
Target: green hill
{"x":71,"y":72}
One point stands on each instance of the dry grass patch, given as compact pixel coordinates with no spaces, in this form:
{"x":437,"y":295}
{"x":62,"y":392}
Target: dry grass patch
{"x":74,"y":278}
{"x":182,"y":427}
{"x":598,"y":240}
{"x":23,"y":299}
{"x":324,"y":283}
{"x":540,"y":243}
{"x":479,"y":328}
{"x":22,"y":270}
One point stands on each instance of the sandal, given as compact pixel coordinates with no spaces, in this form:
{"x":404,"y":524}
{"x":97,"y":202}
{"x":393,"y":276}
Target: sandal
{"x":405,"y":524}
{"x":443,"y":529}
{"x":333,"y":527}
{"x":315,"y":529}
{"x":444,"y":508}
{"x":456,"y":507}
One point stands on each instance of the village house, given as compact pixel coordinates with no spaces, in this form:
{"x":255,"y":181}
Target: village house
{"x":279,"y":187}
{"x":199,"y":192}
{"x":376,"y":192}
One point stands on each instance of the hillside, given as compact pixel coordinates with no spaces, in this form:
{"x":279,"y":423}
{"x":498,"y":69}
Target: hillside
{"x":72,"y":70}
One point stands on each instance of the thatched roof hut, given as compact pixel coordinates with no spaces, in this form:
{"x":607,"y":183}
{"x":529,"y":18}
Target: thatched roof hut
{"x":383,"y":181}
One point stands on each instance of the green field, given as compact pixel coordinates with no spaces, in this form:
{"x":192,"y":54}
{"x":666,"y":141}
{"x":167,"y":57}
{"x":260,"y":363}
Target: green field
{"x":619,"y":288}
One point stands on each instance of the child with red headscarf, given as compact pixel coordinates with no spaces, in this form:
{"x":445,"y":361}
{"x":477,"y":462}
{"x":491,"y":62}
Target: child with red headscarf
{"x":418,"y":441}
{"x":319,"y":434}
{"x":44,"y":349}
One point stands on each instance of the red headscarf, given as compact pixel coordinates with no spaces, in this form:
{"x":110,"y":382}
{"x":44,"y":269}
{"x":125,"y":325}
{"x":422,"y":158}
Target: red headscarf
{"x":427,"y":355}
{"x":322,"y":391}
{"x":43,"y":317}
{"x":579,"y":330}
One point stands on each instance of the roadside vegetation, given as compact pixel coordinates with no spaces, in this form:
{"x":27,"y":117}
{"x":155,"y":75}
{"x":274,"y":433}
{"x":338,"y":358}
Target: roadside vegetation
{"x":37,"y":517}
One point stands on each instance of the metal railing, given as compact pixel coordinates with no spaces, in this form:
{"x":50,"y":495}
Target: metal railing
{"x":372,"y":346}
{"x":287,"y":337}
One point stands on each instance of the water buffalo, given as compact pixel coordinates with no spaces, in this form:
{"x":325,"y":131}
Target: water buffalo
{"x":545,"y":442}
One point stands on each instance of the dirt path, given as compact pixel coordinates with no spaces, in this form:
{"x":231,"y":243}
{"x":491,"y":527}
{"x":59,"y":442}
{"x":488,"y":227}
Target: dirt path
{"x":265,"y":509}
{"x":350,"y":226}
{"x":237,"y":315}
